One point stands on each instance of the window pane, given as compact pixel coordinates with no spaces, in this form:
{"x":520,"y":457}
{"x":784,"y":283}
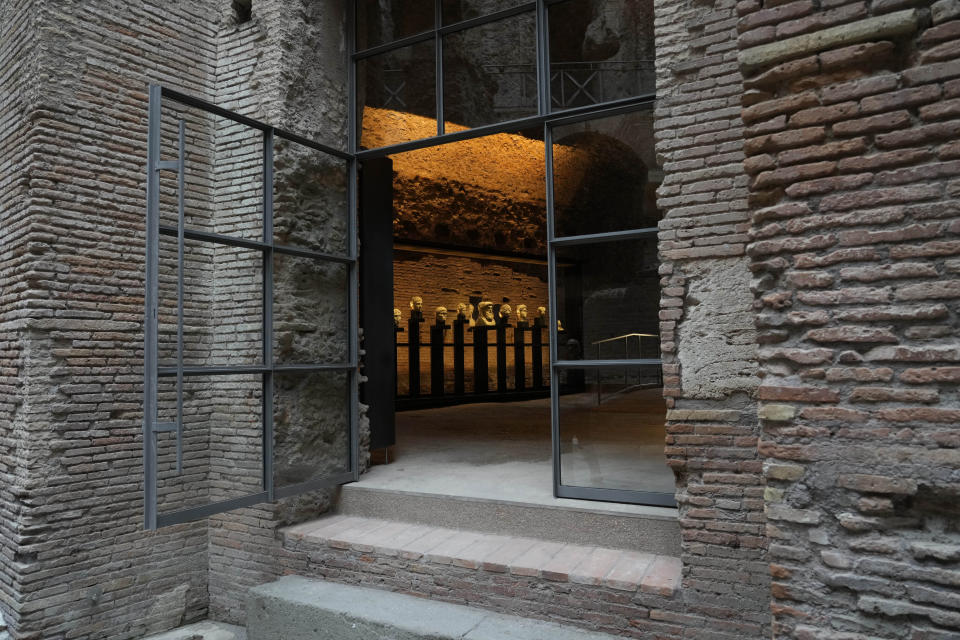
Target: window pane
{"x":600,"y":51}
{"x":382,"y":21}
{"x":459,"y":10}
{"x":222,"y":304}
{"x":310,"y":311}
{"x":309,"y":199}
{"x":397,"y":96}
{"x":311,"y":426}
{"x":612,"y":430}
{"x":608,"y":298}
{"x":489,"y":72}
{"x":605,"y":175}
{"x":222,"y":441}
{"x":223,"y":173}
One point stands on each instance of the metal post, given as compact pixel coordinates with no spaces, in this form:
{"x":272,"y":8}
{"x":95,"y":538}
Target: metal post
{"x":438,"y":66}
{"x":502,"y":355}
{"x":267,"y":315}
{"x":437,"y":332}
{"x":536,"y":353}
{"x":519,"y":356}
{"x":413,"y":354}
{"x":480,"y":365}
{"x":150,"y":312}
{"x":458,"y":355}
{"x":181,"y":170}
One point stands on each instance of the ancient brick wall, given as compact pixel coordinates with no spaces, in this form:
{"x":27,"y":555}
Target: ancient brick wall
{"x":853,"y":119}
{"x":18,"y":93}
{"x":706,"y":329}
{"x":83,"y":565}
{"x":286,"y":66}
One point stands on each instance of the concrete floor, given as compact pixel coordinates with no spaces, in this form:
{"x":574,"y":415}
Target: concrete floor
{"x":502,"y":450}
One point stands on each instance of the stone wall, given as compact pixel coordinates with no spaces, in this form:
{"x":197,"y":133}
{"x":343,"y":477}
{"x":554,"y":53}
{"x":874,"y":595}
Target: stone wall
{"x":707,"y":335}
{"x":73,"y":294}
{"x":19,"y":83}
{"x":286,"y":66}
{"x":73,"y":557}
{"x":853,"y":120}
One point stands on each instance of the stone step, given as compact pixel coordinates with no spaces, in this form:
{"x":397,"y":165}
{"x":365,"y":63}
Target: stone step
{"x":620,"y":569}
{"x":296,"y":608}
{"x":653,"y":530}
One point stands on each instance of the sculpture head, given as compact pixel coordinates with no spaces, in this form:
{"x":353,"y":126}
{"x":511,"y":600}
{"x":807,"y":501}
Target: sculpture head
{"x":505,"y":311}
{"x":397,"y":317}
{"x":521,"y":313}
{"x":486,"y":313}
{"x":441,"y":315}
{"x":462,"y":310}
{"x":416,"y":303}
{"x":541,"y":312}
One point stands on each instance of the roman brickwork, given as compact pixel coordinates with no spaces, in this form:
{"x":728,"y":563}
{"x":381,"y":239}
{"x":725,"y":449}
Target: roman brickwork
{"x":75,"y":558}
{"x":809,"y":271}
{"x":852,"y":115}
{"x":709,"y":344}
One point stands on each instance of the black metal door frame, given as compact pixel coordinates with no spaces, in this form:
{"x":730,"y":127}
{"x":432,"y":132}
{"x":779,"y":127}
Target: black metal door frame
{"x":547,"y":118}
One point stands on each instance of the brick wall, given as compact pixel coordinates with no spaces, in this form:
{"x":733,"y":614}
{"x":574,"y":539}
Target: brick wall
{"x":853,"y":120}
{"x":82,"y":564}
{"x":18,"y":81}
{"x":287,"y":67}
{"x":707,"y":336}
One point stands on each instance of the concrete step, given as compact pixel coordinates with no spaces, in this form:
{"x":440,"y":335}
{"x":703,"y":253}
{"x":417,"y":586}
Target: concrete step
{"x":620,"y":569}
{"x":296,"y":608}
{"x":653,"y":530}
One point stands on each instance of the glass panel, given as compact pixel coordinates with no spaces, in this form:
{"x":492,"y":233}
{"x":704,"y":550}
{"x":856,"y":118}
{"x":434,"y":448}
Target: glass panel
{"x":223,"y":176}
{"x":608,"y":298}
{"x":311,"y":426}
{"x":222,"y":441}
{"x":382,"y":21}
{"x":222,"y":304}
{"x":397,"y":96}
{"x":612,"y":429}
{"x":600,"y":51}
{"x":459,"y":10}
{"x":490,"y":72}
{"x":484,"y":193}
{"x":310,"y":311}
{"x":309,"y":198}
{"x":605,"y":175}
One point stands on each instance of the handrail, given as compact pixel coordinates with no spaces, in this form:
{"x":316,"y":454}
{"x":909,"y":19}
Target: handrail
{"x":628,"y":335}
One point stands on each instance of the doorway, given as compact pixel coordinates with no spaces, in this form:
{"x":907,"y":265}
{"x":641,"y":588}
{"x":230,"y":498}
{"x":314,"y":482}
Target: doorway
{"x":522,"y":183}
{"x":468,"y":222}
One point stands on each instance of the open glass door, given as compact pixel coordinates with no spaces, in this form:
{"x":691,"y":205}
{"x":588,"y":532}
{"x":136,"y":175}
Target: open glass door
{"x":251,"y":340}
{"x":607,"y":405}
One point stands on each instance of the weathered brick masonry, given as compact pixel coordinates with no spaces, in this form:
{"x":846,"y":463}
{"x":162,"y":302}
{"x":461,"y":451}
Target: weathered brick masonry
{"x":810,"y":263}
{"x":75,"y":560}
{"x":852,"y":114}
{"x":707,"y":334}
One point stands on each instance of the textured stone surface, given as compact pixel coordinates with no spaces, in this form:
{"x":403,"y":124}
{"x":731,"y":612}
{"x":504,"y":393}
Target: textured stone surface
{"x":294,"y":608}
{"x":862,"y":478}
{"x":610,"y":590}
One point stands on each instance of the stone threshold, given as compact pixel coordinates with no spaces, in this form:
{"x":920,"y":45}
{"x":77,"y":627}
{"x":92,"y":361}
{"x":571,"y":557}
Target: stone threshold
{"x":623,"y":570}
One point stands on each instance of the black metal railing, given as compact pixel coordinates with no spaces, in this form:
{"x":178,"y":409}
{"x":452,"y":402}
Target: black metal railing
{"x":460,"y":367}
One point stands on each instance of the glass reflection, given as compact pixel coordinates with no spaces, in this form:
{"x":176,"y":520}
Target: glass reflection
{"x":383,"y":21}
{"x":311,"y":426}
{"x":489,"y":72}
{"x":397,"y":96}
{"x":600,"y":51}
{"x":606,"y":175}
{"x":612,"y":430}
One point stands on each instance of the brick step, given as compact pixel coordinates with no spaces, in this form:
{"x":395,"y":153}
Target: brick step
{"x":610,"y":590}
{"x":295,"y":608}
{"x":653,"y":530}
